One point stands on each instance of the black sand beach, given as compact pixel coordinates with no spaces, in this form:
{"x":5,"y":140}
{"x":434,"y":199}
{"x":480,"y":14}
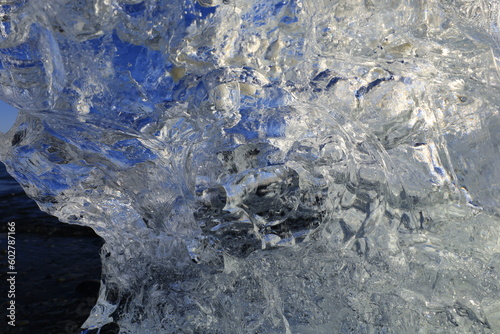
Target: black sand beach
{"x":57,"y":265}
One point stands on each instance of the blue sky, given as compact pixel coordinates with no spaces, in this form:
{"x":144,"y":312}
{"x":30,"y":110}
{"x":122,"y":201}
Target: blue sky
{"x":8,"y":116}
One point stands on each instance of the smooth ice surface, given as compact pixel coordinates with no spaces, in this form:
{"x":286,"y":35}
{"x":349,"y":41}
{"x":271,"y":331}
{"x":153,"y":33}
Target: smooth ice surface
{"x":267,"y":166}
{"x":8,"y":116}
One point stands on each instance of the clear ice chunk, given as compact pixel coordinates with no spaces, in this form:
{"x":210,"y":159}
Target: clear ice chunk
{"x":267,"y":166}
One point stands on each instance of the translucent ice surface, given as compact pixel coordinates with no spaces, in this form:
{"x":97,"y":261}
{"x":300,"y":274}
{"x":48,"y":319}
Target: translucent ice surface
{"x":265,"y":166}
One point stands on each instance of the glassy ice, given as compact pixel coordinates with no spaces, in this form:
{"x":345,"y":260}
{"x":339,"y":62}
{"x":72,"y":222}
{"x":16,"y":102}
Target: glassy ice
{"x":267,"y":166}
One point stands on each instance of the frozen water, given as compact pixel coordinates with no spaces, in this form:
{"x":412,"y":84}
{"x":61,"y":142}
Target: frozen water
{"x":267,"y":166}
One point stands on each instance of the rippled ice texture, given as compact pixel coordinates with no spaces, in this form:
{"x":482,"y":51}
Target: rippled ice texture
{"x":267,"y":166}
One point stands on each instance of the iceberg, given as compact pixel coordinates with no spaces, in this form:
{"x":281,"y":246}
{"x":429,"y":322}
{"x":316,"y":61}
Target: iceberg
{"x":267,"y":166}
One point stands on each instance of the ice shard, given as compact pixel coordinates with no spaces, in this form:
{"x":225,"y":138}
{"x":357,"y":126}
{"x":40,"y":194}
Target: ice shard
{"x":267,"y":166}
